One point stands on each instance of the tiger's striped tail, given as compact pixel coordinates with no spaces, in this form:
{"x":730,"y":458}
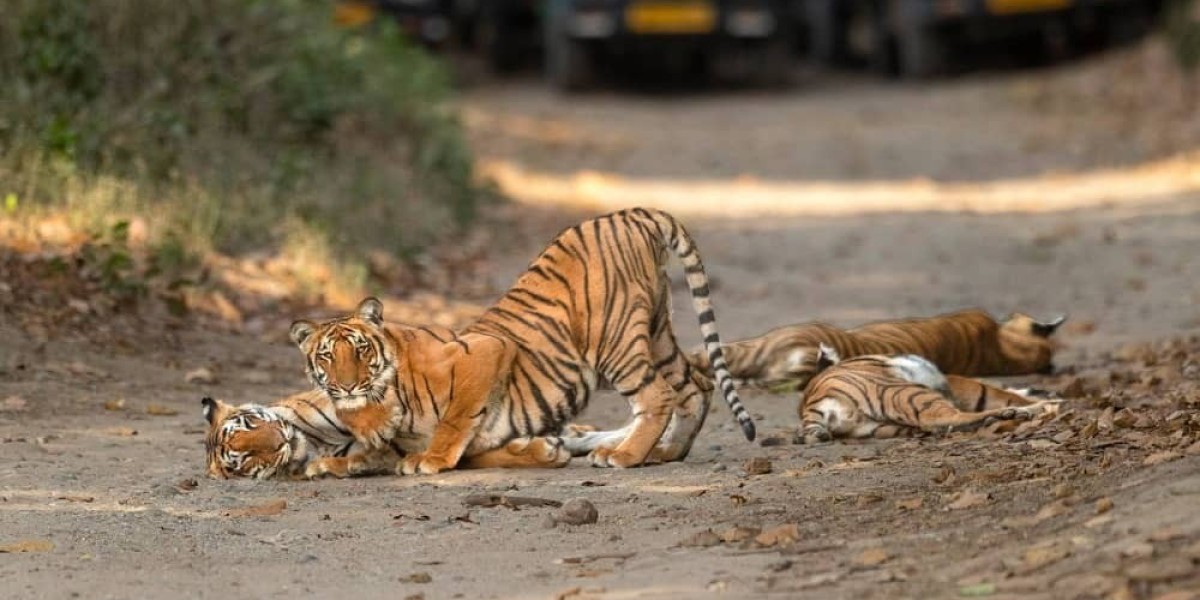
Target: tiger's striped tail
{"x":678,"y":239}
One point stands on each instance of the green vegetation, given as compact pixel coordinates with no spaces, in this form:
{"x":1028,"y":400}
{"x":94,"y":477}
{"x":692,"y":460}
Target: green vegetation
{"x":1182,"y":32}
{"x":229,"y":126}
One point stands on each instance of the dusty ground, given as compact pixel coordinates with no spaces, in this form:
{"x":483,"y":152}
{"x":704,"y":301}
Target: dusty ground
{"x":1100,"y":503}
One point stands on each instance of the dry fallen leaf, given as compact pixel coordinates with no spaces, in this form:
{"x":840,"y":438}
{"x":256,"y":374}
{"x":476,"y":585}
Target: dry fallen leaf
{"x":81,"y":368}
{"x":944,"y":476}
{"x":27,"y":546}
{"x":872,"y":557}
{"x":738,"y":534}
{"x":1138,"y":550}
{"x":271,"y":508}
{"x":1160,"y":457}
{"x":1104,"y":505}
{"x":159,"y":410}
{"x":1166,"y":534}
{"x":1161,"y":569}
{"x":779,"y":536}
{"x":13,"y":404}
{"x":758,"y":466}
{"x":201,"y":376}
{"x":1043,"y":555}
{"x":702,"y":539}
{"x":968,"y":499}
{"x":1057,"y":508}
{"x":117,"y":404}
{"x":1177,"y":595}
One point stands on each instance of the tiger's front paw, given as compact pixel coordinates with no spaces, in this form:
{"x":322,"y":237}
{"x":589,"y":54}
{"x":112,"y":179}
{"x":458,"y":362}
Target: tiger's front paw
{"x":314,"y":470}
{"x":575,"y":430}
{"x":611,"y":457}
{"x":812,"y":435}
{"x":424,"y":464}
{"x":325,"y":466}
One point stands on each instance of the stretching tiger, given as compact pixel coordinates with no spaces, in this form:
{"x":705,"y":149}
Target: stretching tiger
{"x":888,"y":396}
{"x":595,"y":304}
{"x":963,"y":343}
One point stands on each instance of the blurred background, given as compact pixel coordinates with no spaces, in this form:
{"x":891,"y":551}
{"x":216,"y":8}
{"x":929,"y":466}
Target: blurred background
{"x":179,"y":180}
{"x":242,"y":159}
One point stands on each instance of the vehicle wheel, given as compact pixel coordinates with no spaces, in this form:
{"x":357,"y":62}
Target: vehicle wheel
{"x":775,"y":70}
{"x":921,"y":52}
{"x":568,"y":63}
{"x":499,"y":42}
{"x":826,"y":32}
{"x":1126,"y":24}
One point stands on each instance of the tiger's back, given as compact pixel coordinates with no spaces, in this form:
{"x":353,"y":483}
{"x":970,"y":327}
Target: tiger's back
{"x":967,"y":343}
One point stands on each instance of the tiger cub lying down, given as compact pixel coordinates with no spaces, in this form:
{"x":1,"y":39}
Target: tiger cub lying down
{"x":890,"y":396}
{"x":968,"y":343}
{"x":301,"y":437}
{"x":298,"y":436}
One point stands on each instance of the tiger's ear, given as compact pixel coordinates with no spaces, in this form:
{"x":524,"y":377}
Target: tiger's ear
{"x":214,"y":410}
{"x":827,"y":356}
{"x":1047,"y":328}
{"x":301,"y":330}
{"x":371,"y":311}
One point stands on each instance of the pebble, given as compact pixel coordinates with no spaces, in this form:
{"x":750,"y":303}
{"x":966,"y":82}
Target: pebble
{"x":577,"y":511}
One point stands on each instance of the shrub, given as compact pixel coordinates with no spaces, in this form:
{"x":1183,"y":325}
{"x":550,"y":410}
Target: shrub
{"x":225,"y":122}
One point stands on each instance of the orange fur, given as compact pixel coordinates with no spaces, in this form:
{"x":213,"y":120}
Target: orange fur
{"x":887,"y":396}
{"x":594,"y":305}
{"x":963,"y":343}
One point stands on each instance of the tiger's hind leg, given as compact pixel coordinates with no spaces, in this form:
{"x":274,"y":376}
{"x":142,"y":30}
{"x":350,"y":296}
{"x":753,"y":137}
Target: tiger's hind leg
{"x":973,"y":395}
{"x":693,"y":387}
{"x":652,"y":401}
{"x":942,"y":415}
{"x":582,"y":440}
{"x":528,"y":452}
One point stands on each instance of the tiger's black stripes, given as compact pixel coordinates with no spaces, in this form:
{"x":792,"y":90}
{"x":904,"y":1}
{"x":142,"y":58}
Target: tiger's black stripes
{"x":884,"y":396}
{"x":594,"y":306}
{"x":280,"y":439}
{"x":969,"y":343}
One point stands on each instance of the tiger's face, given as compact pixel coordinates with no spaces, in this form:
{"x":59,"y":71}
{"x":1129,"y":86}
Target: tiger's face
{"x":1026,"y":342}
{"x":348,"y":358}
{"x":247,"y":441}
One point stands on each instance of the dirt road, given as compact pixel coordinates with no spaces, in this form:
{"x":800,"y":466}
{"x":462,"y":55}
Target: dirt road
{"x":1100,"y":503}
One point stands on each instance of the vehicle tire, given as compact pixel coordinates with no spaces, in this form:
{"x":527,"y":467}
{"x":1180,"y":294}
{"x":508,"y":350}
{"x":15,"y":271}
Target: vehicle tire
{"x":921,"y":52}
{"x":568,"y":63}
{"x":826,"y":32}
{"x":498,"y":39}
{"x":775,"y":70}
{"x":1127,"y":24}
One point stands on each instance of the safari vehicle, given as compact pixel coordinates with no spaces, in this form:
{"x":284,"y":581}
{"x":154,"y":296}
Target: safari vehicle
{"x":573,"y":36}
{"x":426,"y":21}
{"x":750,"y":36}
{"x":917,"y":38}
